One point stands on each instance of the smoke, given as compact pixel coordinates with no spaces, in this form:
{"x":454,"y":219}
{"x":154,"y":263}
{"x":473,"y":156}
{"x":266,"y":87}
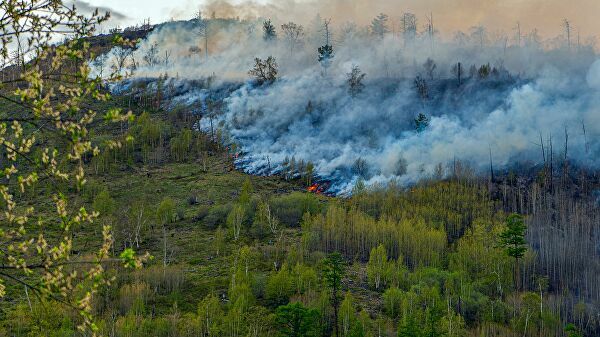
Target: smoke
{"x":532,"y":92}
{"x":449,"y":16}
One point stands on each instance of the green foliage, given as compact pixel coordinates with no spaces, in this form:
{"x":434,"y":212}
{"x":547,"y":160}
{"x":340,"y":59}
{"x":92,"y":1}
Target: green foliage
{"x":294,"y":320}
{"x":217,"y":216}
{"x":280,"y":286}
{"x":269,"y":32}
{"x":165,"y":213}
{"x":378,"y":268}
{"x":513,"y":237}
{"x":392,"y":302}
{"x":104,"y":203}
{"x":290,"y":208}
{"x":235,"y":220}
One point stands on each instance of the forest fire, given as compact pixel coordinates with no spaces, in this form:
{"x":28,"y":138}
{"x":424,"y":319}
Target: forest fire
{"x":314,"y":188}
{"x":320,"y":188}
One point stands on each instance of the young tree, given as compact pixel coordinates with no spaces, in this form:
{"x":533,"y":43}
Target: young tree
{"x":377,"y":267}
{"x":44,"y":143}
{"x":293,"y":34}
{"x":269,"y":32}
{"x":246,"y":192}
{"x":264,"y":71}
{"x":355,"y":81}
{"x":235,"y":220}
{"x":512,"y":239}
{"x":165,"y":213}
{"x":334,"y":269}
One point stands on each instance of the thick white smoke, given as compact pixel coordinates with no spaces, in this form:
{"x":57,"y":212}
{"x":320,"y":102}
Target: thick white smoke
{"x":308,"y":114}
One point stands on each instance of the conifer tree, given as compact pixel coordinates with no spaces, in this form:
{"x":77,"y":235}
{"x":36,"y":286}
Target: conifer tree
{"x":333,"y":272}
{"x":512,"y":239}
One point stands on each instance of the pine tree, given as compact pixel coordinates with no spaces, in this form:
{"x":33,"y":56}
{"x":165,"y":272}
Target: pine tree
{"x":421,"y":122}
{"x":512,"y":239}
{"x":333,"y":272}
{"x":269,"y":33}
{"x":409,"y":327}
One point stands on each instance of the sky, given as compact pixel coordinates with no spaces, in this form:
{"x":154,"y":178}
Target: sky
{"x":450,"y":15}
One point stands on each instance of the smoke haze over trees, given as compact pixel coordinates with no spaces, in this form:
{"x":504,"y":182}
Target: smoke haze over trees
{"x":512,"y":89}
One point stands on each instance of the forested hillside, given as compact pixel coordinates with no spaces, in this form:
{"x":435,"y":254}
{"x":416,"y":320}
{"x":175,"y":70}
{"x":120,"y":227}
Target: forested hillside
{"x":127,"y":211}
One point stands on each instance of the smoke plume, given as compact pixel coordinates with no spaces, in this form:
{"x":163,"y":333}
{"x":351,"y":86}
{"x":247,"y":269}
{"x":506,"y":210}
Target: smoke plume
{"x":513,"y":95}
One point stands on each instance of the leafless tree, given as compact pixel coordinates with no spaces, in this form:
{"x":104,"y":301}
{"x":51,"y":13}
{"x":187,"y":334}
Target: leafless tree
{"x":293,"y":34}
{"x":409,"y":27}
{"x":567,"y":27}
{"x":203,"y":31}
{"x":151,"y":57}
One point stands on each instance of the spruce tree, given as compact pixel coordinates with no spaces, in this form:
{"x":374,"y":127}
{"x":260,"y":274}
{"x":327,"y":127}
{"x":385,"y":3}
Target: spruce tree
{"x":512,"y":239}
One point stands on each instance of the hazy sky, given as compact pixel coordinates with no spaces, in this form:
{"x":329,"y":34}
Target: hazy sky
{"x":450,"y":15}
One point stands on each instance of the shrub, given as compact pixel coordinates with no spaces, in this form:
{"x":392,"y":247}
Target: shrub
{"x":217,"y":216}
{"x":290,"y":208}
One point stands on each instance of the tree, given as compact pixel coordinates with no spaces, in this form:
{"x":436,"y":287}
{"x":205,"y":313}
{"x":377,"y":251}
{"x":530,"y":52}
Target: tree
{"x":458,"y":72}
{"x":348,"y":314}
{"x":392,"y":301}
{"x":44,"y":141}
{"x":429,"y":66}
{"x":151,"y":56}
{"x":334,"y":269}
{"x":512,"y":239}
{"x":269,"y":33}
{"x":354,"y":80}
{"x":294,"y":320}
{"x":235,"y":220}
{"x":246,"y":192}
{"x":293,"y":34}
{"x":203,"y":31}
{"x":409,"y":27}
{"x":121,"y":58}
{"x":421,"y":122}
{"x":572,"y":331}
{"x":325,"y":52}
{"x":409,"y":327}
{"x":165,"y":213}
{"x":210,"y":315}
{"x":379,"y":26}
{"x":377,"y":267}
{"x":264,"y":71}
{"x":421,"y":86}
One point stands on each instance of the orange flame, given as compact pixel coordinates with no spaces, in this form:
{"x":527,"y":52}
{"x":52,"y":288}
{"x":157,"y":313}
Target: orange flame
{"x":314,"y":188}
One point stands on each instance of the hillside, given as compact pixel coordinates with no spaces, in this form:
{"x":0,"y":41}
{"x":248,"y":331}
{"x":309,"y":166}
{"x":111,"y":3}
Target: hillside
{"x":198,"y":193}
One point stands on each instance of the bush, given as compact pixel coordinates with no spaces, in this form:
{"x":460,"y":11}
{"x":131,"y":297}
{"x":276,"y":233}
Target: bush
{"x":217,"y":216}
{"x":290,"y":208}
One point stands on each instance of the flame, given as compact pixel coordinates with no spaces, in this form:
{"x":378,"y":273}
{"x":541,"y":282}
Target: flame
{"x":314,"y":188}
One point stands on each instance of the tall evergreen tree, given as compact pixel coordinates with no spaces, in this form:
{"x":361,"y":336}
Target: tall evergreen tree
{"x":333,"y":272}
{"x":512,"y":239}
